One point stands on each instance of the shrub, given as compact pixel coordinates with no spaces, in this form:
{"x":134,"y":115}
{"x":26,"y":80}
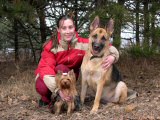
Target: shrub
{"x":139,"y":51}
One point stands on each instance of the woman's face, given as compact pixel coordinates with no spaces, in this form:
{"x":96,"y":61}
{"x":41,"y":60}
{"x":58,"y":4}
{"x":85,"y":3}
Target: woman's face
{"x":66,"y":29}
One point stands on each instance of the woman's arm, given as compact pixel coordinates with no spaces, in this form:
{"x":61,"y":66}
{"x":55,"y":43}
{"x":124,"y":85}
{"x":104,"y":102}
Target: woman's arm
{"x":112,"y":58}
{"x":46,"y":67}
{"x":114,"y":52}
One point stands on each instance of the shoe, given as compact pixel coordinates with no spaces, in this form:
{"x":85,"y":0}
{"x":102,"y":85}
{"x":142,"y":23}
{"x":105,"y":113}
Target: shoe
{"x":42,"y":103}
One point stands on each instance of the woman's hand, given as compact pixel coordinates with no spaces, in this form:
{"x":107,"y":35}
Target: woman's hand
{"x":108,"y":61}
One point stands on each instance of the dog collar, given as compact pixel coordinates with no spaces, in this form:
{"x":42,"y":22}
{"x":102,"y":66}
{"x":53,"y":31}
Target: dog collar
{"x":96,"y":57}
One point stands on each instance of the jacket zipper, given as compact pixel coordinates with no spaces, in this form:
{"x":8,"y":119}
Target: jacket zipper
{"x":68,"y":52}
{"x":68,"y":59}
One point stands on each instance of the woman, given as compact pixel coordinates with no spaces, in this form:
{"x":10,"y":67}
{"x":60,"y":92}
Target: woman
{"x":63,"y":54}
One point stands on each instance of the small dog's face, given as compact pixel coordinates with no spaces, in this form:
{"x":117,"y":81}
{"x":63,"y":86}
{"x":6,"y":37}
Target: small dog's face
{"x":65,"y":80}
{"x":99,"y":37}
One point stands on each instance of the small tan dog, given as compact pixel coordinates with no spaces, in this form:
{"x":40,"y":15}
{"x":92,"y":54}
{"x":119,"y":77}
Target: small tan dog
{"x":93,"y":75}
{"x":66,"y":82}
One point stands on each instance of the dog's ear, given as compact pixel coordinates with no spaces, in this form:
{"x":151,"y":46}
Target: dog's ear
{"x":59,"y":72}
{"x":95,"y":24}
{"x":110,"y":26}
{"x":72,"y":74}
{"x":58,"y":75}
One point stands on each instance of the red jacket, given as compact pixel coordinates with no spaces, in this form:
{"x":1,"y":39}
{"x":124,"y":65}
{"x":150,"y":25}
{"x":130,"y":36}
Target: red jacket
{"x":72,"y":58}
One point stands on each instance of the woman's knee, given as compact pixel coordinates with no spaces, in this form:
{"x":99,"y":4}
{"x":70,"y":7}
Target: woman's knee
{"x":41,"y":88}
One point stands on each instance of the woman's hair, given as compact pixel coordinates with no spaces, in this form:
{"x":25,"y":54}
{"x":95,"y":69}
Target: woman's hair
{"x":64,"y":17}
{"x":54,"y":34}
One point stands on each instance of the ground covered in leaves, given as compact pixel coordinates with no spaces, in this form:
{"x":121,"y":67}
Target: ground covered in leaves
{"x":18,"y":98}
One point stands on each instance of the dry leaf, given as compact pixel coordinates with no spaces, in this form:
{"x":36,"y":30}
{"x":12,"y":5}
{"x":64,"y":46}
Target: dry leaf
{"x":24,"y":97}
{"x":9,"y":100}
{"x":2,"y":97}
{"x":130,"y":107}
{"x":34,"y":102}
{"x":15,"y":102}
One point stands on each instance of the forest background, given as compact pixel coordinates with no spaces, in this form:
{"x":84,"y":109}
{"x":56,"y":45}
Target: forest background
{"x":26,"y":24}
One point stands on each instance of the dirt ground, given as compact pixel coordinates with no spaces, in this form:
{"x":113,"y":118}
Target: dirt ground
{"x":18,"y":98}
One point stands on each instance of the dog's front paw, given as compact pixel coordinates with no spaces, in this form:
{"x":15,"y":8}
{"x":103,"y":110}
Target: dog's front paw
{"x":94,"y":110}
{"x":57,"y":113}
{"x":69,"y":114}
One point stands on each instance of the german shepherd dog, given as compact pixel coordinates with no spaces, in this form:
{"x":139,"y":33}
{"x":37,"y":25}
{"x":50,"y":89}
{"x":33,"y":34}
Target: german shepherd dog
{"x":107,"y":86}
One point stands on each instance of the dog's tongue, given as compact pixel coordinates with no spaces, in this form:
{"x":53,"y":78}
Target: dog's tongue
{"x":94,"y":52}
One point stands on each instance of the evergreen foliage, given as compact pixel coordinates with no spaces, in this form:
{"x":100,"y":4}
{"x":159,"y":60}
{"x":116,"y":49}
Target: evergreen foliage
{"x":28,"y":24}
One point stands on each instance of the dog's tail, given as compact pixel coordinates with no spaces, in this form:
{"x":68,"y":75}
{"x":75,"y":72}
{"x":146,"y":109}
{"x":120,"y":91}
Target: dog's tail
{"x":131,"y":94}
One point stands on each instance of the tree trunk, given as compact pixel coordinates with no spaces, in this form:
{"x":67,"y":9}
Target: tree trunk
{"x":75,"y":13}
{"x":154,"y":43}
{"x":153,"y":18}
{"x":146,"y":24}
{"x":41,"y":14}
{"x":30,"y":41}
{"x":100,"y":3}
{"x":33,"y":50}
{"x":137,"y":23}
{"x":117,"y":28}
{"x":16,"y":47}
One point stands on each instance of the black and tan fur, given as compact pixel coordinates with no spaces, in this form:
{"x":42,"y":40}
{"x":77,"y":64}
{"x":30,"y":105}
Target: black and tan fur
{"x":93,"y":75}
{"x":67,"y":84}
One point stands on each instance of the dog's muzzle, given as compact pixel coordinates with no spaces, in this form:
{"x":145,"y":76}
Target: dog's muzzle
{"x":65,"y":84}
{"x":97,"y":46}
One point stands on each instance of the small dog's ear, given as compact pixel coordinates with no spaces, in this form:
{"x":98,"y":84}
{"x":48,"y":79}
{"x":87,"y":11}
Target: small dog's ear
{"x":110,"y":26}
{"x":59,"y":72}
{"x":72,"y":74}
{"x":95,"y":24}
